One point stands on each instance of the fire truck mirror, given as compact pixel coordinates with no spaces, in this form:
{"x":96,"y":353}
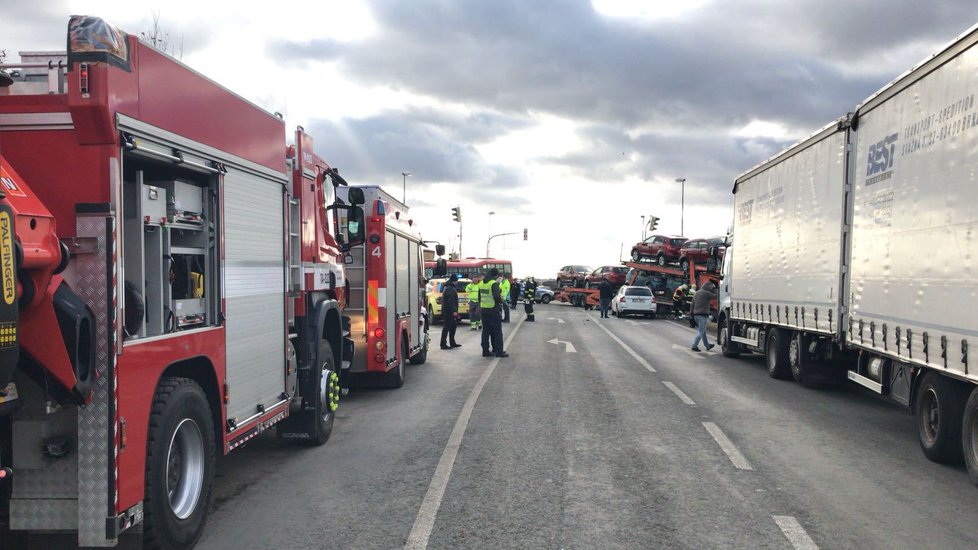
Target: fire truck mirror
{"x":356,"y":196}
{"x":354,"y":225}
{"x":439,"y":250}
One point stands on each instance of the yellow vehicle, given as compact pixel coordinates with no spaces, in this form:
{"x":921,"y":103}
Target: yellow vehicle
{"x":433,"y":292}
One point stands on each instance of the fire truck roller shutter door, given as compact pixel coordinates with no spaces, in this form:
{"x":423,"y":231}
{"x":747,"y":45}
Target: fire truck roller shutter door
{"x":254,"y":275}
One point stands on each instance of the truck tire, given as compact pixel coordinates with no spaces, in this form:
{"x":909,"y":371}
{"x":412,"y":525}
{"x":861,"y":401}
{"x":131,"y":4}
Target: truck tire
{"x":796,"y":359}
{"x":422,"y":356}
{"x":326,"y":398}
{"x":969,"y":436}
{"x":180,"y":458}
{"x":395,"y":378}
{"x":776,"y":354}
{"x":938,"y":410}
{"x":728,"y":348}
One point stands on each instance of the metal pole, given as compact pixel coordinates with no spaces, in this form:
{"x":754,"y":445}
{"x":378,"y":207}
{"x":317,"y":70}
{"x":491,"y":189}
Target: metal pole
{"x":643,"y":227}
{"x":682,"y":206}
{"x":404,"y":176}
{"x":490,"y":233}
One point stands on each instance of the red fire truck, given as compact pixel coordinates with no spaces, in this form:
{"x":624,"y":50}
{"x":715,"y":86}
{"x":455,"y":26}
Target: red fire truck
{"x":387,"y":322}
{"x":174,"y":290}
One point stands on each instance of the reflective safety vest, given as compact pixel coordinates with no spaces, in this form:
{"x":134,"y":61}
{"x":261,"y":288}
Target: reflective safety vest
{"x":504,"y":287}
{"x":473,"y":290}
{"x":486,"y":301}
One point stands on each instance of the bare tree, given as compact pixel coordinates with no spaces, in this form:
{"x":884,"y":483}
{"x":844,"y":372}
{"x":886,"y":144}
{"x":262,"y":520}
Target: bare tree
{"x":159,"y":38}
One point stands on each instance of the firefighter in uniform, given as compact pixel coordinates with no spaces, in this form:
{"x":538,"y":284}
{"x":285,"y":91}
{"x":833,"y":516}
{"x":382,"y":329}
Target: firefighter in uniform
{"x":679,"y":300}
{"x":475,"y":318}
{"x":689,"y":305}
{"x":529,"y":290}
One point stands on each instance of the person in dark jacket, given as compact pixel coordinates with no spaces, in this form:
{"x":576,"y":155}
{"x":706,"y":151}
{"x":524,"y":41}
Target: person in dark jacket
{"x":449,"y":314}
{"x":605,"y":294}
{"x":701,"y":312}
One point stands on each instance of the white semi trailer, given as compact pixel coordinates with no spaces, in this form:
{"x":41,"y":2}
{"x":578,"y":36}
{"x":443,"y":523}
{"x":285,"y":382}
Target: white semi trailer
{"x":856,"y":251}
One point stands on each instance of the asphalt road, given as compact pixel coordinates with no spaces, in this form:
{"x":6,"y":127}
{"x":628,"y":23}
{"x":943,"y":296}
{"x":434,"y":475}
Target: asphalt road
{"x":629,"y":441}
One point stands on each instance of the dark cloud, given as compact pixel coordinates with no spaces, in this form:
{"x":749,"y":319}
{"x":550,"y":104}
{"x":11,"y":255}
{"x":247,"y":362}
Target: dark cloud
{"x":653,"y":100}
{"x":724,"y":64}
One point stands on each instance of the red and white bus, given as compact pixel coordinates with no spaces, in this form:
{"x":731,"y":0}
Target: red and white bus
{"x":470,"y":267}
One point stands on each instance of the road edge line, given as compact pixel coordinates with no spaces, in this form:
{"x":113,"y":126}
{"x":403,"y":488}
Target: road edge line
{"x":428,"y":511}
{"x":727,"y":446}
{"x":795,"y":533}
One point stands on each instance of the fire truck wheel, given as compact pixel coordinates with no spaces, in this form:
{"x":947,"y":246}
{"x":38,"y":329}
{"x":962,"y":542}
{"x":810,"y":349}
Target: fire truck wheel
{"x":777,"y":354}
{"x":422,"y":356}
{"x":939,"y":408}
{"x":327,"y":397}
{"x":180,"y":457}
{"x":969,"y":436}
{"x":395,"y":378}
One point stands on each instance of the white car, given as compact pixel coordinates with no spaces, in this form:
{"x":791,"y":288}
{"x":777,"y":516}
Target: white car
{"x":637,"y":300}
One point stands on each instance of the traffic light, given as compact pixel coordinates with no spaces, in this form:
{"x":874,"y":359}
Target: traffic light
{"x":653,"y":223}
{"x":457,"y":214}
{"x":524,"y":234}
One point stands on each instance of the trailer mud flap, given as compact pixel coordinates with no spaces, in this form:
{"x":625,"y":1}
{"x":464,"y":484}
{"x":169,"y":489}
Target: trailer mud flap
{"x":9,"y":349}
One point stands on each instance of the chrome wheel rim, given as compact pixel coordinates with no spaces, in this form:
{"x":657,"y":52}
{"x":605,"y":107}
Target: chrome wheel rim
{"x":931,"y":415}
{"x":185,"y":468}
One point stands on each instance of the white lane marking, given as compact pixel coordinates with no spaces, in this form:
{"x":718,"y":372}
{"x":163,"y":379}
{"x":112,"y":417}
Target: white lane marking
{"x":423,"y":524}
{"x":559,"y":320}
{"x":727,"y":446}
{"x":795,"y":533}
{"x":634,"y":322}
{"x":689,"y":352}
{"x":568,"y":347}
{"x":630,"y":351}
{"x":679,"y":393}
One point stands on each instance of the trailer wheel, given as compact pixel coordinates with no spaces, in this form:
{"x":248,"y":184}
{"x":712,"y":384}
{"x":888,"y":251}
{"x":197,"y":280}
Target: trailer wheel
{"x":777,"y":354}
{"x":969,"y":436}
{"x":180,"y":457}
{"x":727,"y":347}
{"x":796,"y":359}
{"x":939,"y":410}
{"x":395,"y":378}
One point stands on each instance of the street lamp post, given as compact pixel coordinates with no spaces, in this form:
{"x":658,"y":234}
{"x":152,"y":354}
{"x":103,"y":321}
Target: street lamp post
{"x":682,"y":206}
{"x":643,"y":227}
{"x":490,"y":233}
{"x":404,"y":176}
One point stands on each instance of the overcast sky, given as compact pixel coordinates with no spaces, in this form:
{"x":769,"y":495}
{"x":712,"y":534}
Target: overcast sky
{"x":572,"y":118}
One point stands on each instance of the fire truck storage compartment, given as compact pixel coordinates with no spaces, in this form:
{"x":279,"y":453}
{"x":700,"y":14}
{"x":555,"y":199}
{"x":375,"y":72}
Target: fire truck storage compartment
{"x":402,"y":275}
{"x":170,"y":251}
{"x":255,"y":276}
